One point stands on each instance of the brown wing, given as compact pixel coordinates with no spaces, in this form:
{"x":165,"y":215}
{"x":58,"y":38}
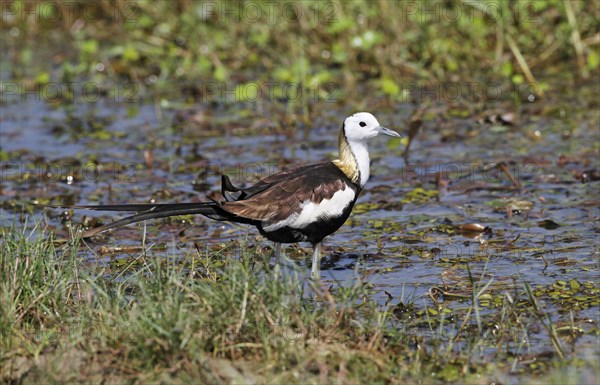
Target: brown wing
{"x":233,"y":193}
{"x":288,"y":190}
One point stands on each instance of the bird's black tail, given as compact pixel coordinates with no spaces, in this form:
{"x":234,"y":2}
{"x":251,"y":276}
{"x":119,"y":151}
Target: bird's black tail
{"x":152,"y":211}
{"x":213,"y":210}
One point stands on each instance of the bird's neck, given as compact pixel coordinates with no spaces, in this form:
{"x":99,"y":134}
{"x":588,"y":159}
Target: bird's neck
{"x":354,"y":159}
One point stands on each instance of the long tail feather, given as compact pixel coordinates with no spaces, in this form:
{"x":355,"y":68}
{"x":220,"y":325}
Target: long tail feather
{"x":229,"y":191}
{"x":151,"y":211}
{"x":146,"y":211}
{"x":157,"y":211}
{"x":138,"y":207}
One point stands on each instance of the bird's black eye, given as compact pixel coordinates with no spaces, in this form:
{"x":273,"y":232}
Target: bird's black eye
{"x":362,"y":124}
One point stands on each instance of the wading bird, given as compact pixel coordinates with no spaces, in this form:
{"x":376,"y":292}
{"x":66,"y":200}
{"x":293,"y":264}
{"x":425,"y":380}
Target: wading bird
{"x":304,"y":204}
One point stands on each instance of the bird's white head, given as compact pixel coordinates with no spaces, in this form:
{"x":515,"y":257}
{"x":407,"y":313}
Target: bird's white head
{"x":363,"y":126}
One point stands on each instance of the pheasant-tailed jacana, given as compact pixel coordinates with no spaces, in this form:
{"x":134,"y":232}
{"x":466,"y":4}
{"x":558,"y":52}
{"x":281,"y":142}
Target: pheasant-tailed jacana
{"x":307,"y":203}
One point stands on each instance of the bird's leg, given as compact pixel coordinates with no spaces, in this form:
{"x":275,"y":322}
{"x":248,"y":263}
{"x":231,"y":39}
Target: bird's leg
{"x":277,"y":266}
{"x":277,"y":253}
{"x":316,"y":261}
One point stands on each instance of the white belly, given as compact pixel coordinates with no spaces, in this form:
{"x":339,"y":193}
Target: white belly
{"x":312,"y":212}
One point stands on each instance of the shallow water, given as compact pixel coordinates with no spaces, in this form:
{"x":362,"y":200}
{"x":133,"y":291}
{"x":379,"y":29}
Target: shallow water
{"x":400,"y":244}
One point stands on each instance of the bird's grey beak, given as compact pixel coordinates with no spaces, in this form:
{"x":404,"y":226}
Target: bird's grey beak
{"x":387,"y":131}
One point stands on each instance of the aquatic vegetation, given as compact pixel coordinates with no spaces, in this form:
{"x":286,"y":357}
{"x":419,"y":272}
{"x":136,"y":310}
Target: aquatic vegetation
{"x":472,"y":257}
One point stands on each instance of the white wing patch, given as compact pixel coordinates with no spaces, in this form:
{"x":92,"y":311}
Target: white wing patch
{"x":312,"y":211}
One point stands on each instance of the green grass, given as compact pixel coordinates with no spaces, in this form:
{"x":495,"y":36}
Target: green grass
{"x":327,"y":49}
{"x":213,"y":320}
